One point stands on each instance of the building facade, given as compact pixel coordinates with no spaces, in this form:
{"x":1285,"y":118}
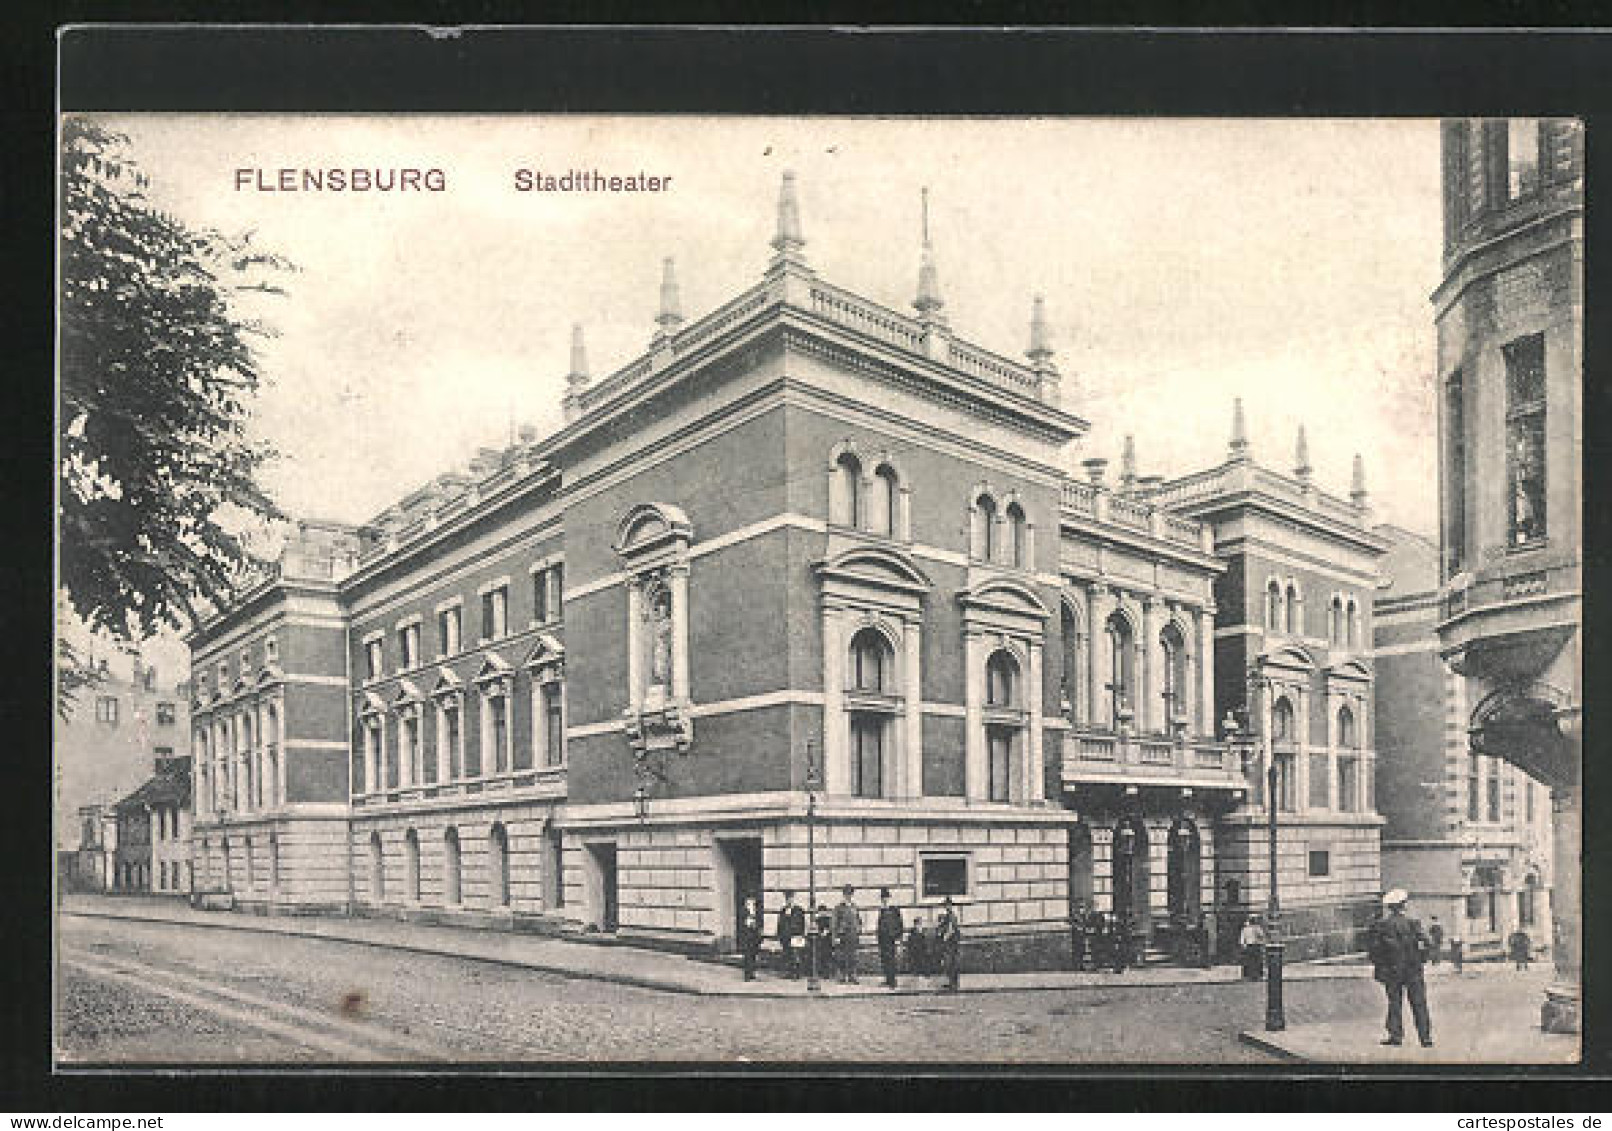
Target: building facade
{"x":1509,"y":314}
{"x":151,"y":851}
{"x":801,"y":597}
{"x":1468,"y":835}
{"x":1293,"y":657}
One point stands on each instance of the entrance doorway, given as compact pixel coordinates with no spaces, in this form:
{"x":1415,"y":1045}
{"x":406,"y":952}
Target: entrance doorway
{"x":603,"y":892}
{"x":1184,"y":873}
{"x":1131,"y":880}
{"x":738,"y":874}
{"x":1080,"y":868}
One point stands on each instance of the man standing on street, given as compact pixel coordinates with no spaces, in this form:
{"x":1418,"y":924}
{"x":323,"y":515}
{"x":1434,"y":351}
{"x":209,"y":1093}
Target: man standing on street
{"x":792,"y":933}
{"x":1435,"y":935}
{"x":750,"y":932}
{"x":890,"y":928}
{"x":1398,"y":947}
{"x":847,"y":930}
{"x":949,"y":939}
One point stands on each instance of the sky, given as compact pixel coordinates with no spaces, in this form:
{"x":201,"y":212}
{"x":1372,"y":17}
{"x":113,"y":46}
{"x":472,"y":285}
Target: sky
{"x":1183,"y":262}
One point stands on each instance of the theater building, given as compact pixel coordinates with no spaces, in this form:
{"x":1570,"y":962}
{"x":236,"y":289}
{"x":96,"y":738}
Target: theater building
{"x":800,"y":597}
{"x":1293,"y":663}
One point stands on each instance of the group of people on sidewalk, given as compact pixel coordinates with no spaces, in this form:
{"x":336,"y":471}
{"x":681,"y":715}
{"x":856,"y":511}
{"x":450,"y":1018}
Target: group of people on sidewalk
{"x":831,"y":940}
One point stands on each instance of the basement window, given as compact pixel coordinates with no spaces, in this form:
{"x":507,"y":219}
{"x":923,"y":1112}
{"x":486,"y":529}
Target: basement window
{"x":943,"y":875}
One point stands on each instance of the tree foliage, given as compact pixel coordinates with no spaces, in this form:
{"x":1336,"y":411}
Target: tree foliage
{"x":158,"y":478}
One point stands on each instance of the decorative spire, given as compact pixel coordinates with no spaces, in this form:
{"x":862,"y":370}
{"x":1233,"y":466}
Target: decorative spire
{"x":579,"y":358}
{"x":928,"y":303}
{"x":1040,"y":351}
{"x":671,"y":302}
{"x":1127,"y":464}
{"x":787,"y":243}
{"x":1239,"y":431}
{"x":577,"y":379}
{"x":1357,"y":483}
{"x":1301,"y":456}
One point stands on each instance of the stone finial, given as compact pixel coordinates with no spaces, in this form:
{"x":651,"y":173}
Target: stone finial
{"x":579,"y":358}
{"x":577,"y":379}
{"x":671,"y":302}
{"x":1239,"y":431}
{"x":1127,"y":464}
{"x":1357,"y":483}
{"x":928,"y":303}
{"x":1040,"y":351}
{"x":1301,"y":456}
{"x":788,"y":243}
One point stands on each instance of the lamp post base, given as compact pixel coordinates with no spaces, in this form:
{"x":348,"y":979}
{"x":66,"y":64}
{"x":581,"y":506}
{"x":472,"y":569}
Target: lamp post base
{"x":1275,"y":1021}
{"x":1559,"y":1014}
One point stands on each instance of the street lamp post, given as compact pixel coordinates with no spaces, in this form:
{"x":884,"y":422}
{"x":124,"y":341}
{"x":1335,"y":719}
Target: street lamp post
{"x":1247,"y":742}
{"x":813,"y":985}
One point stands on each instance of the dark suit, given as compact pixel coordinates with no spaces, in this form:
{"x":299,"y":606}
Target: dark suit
{"x":948,"y":940}
{"x":1398,"y":947}
{"x":890,"y":928}
{"x":791,"y":926}
{"x":847,"y":929}
{"x":750,"y":932}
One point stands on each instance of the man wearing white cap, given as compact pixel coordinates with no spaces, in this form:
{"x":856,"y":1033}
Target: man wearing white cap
{"x":1398,"y":947}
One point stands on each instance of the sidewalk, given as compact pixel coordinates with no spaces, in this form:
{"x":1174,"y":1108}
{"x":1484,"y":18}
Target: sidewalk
{"x":632,"y":965}
{"x":1488,"y":1014}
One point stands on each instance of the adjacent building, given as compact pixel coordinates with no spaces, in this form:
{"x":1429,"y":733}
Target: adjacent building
{"x":1467,"y":834}
{"x":1509,"y":313}
{"x":800,"y":597}
{"x":151,"y":852}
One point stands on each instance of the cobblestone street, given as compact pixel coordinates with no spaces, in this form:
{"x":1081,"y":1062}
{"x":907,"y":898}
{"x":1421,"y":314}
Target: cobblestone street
{"x":166,"y":993}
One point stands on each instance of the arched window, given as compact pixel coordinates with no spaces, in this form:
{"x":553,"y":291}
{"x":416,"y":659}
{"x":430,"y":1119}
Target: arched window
{"x":411,"y":866}
{"x":845,"y":501}
{"x":1069,"y":678}
{"x":871,"y":661}
{"x":377,"y":870}
{"x":1177,"y":687}
{"x":450,"y":867}
{"x":1348,"y":761}
{"x":1282,"y":721}
{"x":983,"y":534}
{"x":884,"y":505}
{"x":1354,"y":624}
{"x":1122,"y":660}
{"x":1294,"y":625}
{"x":498,"y":865}
{"x":1001,"y":680}
{"x":1017,"y":547}
{"x":1335,"y":623}
{"x":1273,"y":607}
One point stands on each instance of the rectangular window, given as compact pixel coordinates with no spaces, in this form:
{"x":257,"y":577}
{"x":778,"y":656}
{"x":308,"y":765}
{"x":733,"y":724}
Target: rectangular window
{"x":867,"y":755}
{"x":106,"y":709}
{"x":1320,"y":862}
{"x":1319,"y":772}
{"x":455,"y":769}
{"x":1349,"y":783}
{"x":1522,"y":157}
{"x":554,"y":724}
{"x":448,"y":631}
{"x":411,"y":748}
{"x":271,"y":649}
{"x":1525,"y":439}
{"x":494,"y":613}
{"x":500,"y":716}
{"x":165,"y":714}
{"x":408,"y":646}
{"x":557,"y":592}
{"x":1528,"y":801}
{"x":1286,"y":783}
{"x":1455,"y":476}
{"x":1000,"y":741}
{"x":1494,"y":795}
{"x":943,"y":875}
{"x":1476,"y":905}
{"x":540,"y":596}
{"x":373,"y":659}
